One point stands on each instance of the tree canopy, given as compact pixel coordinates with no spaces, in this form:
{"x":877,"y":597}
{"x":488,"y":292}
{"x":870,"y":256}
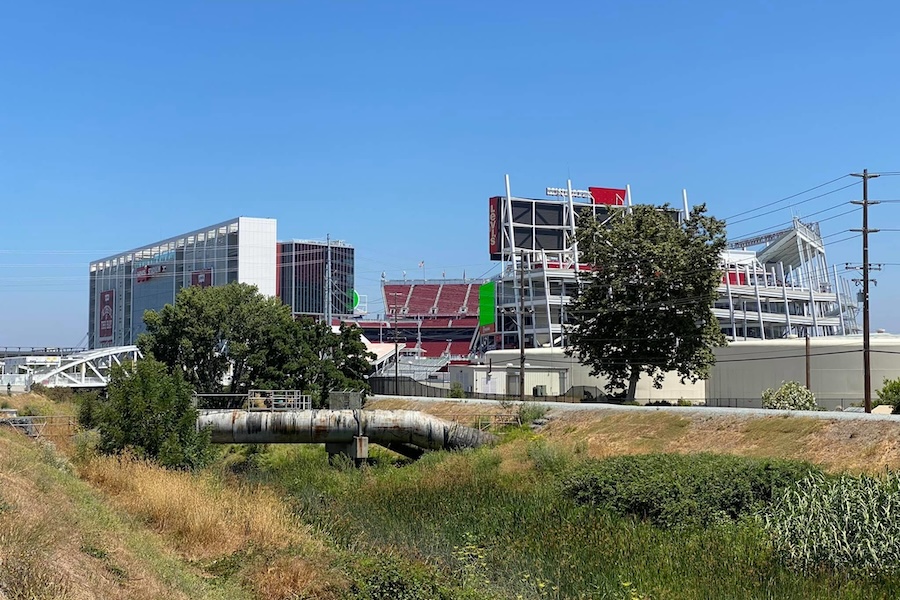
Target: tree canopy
{"x":232,"y":339}
{"x":646,"y":304}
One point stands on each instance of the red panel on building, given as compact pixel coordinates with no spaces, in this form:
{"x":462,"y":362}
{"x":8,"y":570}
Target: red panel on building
{"x":202,"y":278}
{"x":609,"y":196}
{"x":735,"y":278}
{"x":107,"y":314}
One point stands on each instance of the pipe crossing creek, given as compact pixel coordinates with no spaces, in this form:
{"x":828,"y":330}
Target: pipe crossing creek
{"x":348,"y":432}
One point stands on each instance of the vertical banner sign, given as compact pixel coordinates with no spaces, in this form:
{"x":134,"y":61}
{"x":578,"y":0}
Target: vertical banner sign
{"x":202,"y":278}
{"x":494,"y":230}
{"x":107,"y":312}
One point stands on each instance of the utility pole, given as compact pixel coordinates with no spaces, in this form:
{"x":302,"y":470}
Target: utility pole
{"x":808,"y":378}
{"x":522,"y":327}
{"x":867,"y":359}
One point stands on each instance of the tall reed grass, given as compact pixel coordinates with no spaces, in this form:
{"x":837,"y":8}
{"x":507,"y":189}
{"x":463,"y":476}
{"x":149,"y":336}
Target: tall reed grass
{"x":849,"y":523}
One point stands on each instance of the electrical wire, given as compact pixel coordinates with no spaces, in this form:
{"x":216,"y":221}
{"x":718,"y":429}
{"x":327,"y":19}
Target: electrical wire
{"x":792,"y":196}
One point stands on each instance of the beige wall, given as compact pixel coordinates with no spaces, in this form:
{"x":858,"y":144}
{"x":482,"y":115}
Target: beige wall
{"x":744,"y":369}
{"x":579,"y":375}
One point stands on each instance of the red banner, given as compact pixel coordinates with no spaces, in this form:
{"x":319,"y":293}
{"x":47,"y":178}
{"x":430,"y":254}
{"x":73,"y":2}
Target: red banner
{"x":144,"y":274}
{"x":107,"y":314}
{"x":202,"y":278}
{"x":494,"y":231}
{"x":609,"y":196}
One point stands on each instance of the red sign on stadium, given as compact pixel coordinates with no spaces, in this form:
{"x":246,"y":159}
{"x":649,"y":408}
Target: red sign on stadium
{"x":202,"y":278}
{"x":107,"y":312}
{"x":494,"y":231}
{"x":609,"y":196}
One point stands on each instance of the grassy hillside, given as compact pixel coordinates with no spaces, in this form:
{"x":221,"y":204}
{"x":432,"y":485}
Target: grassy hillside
{"x":59,"y":538}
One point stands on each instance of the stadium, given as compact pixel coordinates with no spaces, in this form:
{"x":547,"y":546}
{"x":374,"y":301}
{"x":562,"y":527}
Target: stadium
{"x":775,"y":286}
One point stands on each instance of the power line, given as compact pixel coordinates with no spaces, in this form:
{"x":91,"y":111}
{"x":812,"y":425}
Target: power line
{"x":786,"y":198}
{"x":794,"y":204}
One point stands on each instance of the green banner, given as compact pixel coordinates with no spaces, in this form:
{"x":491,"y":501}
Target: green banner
{"x":487,"y":304}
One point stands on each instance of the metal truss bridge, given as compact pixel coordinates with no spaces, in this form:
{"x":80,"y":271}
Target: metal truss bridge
{"x":85,"y":369}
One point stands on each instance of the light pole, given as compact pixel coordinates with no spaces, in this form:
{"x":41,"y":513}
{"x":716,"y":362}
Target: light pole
{"x":522,"y":327}
{"x":396,"y":347}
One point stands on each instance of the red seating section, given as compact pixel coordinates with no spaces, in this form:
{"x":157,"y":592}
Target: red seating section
{"x":396,"y":296}
{"x":422,"y":298}
{"x":452,"y":298}
{"x":459,"y":348}
{"x":436,"y":312}
{"x":472,"y":301}
{"x":445,"y":300}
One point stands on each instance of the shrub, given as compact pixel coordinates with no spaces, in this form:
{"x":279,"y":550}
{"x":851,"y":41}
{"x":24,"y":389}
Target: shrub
{"x":56,"y":394}
{"x":890,"y":393}
{"x":148,"y":412}
{"x":548,"y":457}
{"x":846,"y":523}
{"x":675,"y":490}
{"x":456,"y":390}
{"x":390,"y":577}
{"x":790,"y":396}
{"x":529,"y":412}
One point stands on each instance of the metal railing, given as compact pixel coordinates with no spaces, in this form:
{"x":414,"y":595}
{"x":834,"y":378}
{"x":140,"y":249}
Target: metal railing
{"x":273,"y":400}
{"x":37,"y":426}
{"x":255,"y":400}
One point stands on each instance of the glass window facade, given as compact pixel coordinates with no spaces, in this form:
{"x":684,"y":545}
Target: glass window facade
{"x":302,"y":273}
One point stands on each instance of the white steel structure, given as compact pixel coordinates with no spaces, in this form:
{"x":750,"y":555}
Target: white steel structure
{"x":87,"y":369}
{"x":785,"y":288}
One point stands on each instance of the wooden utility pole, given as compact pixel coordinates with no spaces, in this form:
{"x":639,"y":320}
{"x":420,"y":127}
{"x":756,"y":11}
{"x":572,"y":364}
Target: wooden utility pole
{"x":867,"y":359}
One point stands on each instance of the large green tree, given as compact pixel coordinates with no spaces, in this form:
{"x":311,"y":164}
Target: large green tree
{"x":646,"y":304}
{"x":209,"y":333}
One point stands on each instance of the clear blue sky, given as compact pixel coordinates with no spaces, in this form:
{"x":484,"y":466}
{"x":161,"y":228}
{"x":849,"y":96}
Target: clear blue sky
{"x":388,"y":125}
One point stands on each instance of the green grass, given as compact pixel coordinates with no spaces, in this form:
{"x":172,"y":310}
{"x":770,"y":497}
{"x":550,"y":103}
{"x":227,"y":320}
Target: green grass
{"x":508,"y":532}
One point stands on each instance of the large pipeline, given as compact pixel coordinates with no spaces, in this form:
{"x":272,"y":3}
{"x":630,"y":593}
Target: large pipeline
{"x":384,"y":427}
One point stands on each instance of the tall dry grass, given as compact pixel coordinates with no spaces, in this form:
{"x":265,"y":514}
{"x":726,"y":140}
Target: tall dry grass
{"x":204,"y":517}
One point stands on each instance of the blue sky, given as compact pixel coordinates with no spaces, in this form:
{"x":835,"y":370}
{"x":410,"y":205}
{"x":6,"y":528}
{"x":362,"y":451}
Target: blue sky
{"x":389,"y":124}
